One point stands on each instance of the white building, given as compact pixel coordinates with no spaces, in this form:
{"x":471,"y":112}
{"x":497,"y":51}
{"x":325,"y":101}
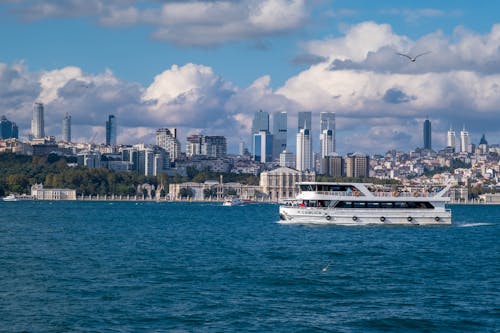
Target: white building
{"x":465,"y":144}
{"x":66,"y":128}
{"x":287,"y":159}
{"x":280,"y":183}
{"x":167,"y":139}
{"x":41,"y":193}
{"x":327,"y":142}
{"x":303,"y":158}
{"x":451,"y":139}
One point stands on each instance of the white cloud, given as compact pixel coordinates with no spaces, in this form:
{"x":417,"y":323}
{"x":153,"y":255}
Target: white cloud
{"x":187,"y":23}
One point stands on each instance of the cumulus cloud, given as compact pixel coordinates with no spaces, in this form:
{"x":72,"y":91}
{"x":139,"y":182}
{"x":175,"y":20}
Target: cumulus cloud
{"x":381,"y":99}
{"x":187,"y":23}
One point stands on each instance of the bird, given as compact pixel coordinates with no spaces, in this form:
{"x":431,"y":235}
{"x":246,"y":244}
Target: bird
{"x":413,"y":59}
{"x":326,"y":267}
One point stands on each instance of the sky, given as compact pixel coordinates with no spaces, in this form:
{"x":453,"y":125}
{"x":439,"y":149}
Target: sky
{"x":207,"y":66}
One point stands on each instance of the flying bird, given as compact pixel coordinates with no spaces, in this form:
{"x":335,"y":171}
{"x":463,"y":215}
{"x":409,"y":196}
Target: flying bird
{"x":413,"y":59}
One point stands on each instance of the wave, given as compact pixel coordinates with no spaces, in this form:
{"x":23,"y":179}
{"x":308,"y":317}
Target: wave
{"x":478,"y":224}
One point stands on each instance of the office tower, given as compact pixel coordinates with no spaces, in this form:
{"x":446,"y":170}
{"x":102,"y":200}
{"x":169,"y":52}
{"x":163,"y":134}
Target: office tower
{"x":260,"y":123}
{"x":193,"y":145}
{"x":214,"y":146}
{"x":357,"y":166}
{"x":280,"y":133}
{"x":332,"y":166}
{"x":167,"y":139}
{"x":327,"y":133}
{"x":304,"y":120}
{"x":15,"y":131}
{"x":66,"y":128}
{"x":263,"y":147}
{"x":111,"y":131}
{"x":303,"y":158}
{"x":451,"y":139}
{"x":483,"y":145}
{"x":8,"y":129}
{"x":37,"y":123}
{"x":465,"y":144}
{"x":287,"y":159}
{"x":427,"y":135}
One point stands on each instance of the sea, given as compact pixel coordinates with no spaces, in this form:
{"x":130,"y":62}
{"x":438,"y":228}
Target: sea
{"x":201,"y":267}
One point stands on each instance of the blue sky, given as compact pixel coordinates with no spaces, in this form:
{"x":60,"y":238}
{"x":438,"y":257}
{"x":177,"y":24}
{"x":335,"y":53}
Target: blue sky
{"x":207,"y":66}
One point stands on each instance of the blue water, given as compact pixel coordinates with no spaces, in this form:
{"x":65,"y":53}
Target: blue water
{"x":193,"y":267}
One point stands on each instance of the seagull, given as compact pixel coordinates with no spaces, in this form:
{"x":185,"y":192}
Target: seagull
{"x":413,"y":59}
{"x":326,"y":267}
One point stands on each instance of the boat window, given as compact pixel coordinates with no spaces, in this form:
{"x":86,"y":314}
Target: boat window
{"x":373,"y":205}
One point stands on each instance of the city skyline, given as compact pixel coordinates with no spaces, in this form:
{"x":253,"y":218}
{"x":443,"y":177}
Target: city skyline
{"x":324,"y":57}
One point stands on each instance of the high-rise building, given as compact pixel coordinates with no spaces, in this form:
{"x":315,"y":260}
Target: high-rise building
{"x":214,"y":146}
{"x":37,"y":122}
{"x":193,"y":145}
{"x":260,"y":122}
{"x":427,"y":135}
{"x":8,"y":129}
{"x":287,"y":159}
{"x":304,"y":120}
{"x":451,"y":139}
{"x":263,"y":147}
{"x":327,"y":133}
{"x":167,"y":139}
{"x":111,"y":131}
{"x":66,"y":128}
{"x":465,"y":144}
{"x":304,"y":158}
{"x":280,"y":132}
{"x":357,"y":165}
{"x":332,"y":166}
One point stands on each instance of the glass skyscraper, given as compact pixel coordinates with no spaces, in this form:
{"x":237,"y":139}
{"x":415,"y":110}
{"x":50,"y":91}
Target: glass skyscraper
{"x":304,"y":120}
{"x":66,"y":128}
{"x":37,"y":122}
{"x":327,"y":133}
{"x":111,"y":131}
{"x":427,"y":135}
{"x":280,"y":132}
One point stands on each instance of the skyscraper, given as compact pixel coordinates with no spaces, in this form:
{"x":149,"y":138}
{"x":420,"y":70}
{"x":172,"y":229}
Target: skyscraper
{"x":263,"y":147}
{"x":465,"y":144}
{"x":427,"y":135}
{"x":280,"y":133}
{"x":37,"y":122}
{"x":8,"y":129}
{"x":303,"y":158}
{"x":304,"y":120}
{"x":260,"y":122}
{"x":451,"y":139}
{"x":167,"y":139}
{"x":111,"y":131}
{"x":327,"y":134}
{"x":66,"y":128}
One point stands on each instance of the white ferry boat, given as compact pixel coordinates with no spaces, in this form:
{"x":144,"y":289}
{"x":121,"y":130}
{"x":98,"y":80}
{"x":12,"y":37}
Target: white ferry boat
{"x":364,"y":204}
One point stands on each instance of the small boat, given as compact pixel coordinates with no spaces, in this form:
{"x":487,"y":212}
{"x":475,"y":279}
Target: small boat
{"x":15,"y":197}
{"x":364,"y":204}
{"x":233,"y":201}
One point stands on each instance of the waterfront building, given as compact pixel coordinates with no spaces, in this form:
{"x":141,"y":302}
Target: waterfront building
{"x":111,"y":131}
{"x":465,"y":144}
{"x":427,"y":135}
{"x":37,"y":122}
{"x":304,"y":158}
{"x":357,"y":165}
{"x":66,"y":128}
{"x":280,"y":133}
{"x":263,"y":147}
{"x":451,"y":139}
{"x":8,"y":129}
{"x":280,"y":183}
{"x":287,"y":159}
{"x":167,"y":139}
{"x":304,"y":120}
{"x":41,"y":193}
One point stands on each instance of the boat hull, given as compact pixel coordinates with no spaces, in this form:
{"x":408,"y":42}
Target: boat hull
{"x":332,"y":216}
